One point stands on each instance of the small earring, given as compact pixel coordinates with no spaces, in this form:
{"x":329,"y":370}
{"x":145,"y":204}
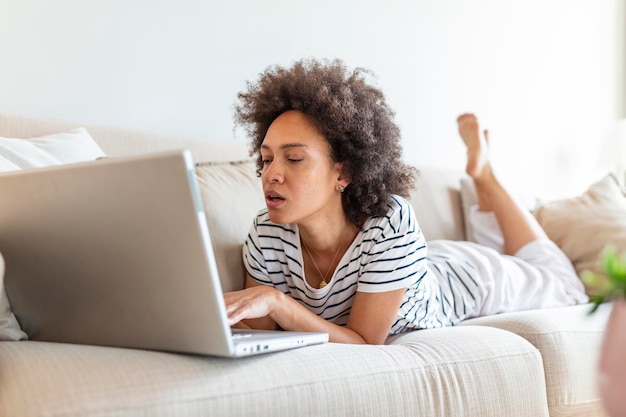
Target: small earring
{"x":341,"y":188}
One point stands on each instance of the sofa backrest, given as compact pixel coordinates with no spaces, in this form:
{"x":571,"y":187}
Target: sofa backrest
{"x":232,"y":192}
{"x":123,"y":142}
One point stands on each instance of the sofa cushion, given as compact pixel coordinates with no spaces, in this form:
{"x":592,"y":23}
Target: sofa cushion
{"x":232,"y":195}
{"x":569,"y":341}
{"x":437,"y":204}
{"x":582,"y":226}
{"x":441,"y":372}
{"x":54,"y":149}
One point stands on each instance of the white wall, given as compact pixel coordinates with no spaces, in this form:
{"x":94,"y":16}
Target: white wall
{"x":544,"y":76}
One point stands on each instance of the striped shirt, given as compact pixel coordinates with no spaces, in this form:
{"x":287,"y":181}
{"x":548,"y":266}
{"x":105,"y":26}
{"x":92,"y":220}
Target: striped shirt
{"x":389,"y":253}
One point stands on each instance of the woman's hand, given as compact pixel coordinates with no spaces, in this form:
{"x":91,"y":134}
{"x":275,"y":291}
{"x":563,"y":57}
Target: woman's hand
{"x":264,"y":307}
{"x":251,"y":303}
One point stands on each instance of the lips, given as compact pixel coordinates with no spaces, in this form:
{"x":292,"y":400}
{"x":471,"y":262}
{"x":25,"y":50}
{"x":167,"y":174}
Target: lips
{"x":273,"y":199}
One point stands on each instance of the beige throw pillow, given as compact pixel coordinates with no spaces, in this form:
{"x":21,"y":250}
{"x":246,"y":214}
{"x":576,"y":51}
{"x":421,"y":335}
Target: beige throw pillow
{"x":582,"y":226}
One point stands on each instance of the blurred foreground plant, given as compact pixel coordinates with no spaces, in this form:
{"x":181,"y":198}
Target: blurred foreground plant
{"x":611,"y":284}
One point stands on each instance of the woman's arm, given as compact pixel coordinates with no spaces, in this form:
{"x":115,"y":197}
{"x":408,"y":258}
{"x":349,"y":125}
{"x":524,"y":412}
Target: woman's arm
{"x":373,"y":314}
{"x":261,"y":306}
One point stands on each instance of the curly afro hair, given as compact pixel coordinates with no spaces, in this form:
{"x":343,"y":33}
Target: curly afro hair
{"x":353,"y":117}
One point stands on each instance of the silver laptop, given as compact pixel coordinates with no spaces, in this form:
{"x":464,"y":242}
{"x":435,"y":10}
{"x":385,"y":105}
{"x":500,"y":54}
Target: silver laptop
{"x":117,"y":252}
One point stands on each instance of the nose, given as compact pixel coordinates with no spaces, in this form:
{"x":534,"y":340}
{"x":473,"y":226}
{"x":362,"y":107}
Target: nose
{"x":273,"y":172}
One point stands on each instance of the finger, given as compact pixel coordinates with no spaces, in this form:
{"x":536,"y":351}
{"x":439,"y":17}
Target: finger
{"x":233,"y":311}
{"x":233,"y":300}
{"x":239,"y":309}
{"x":241,"y":325}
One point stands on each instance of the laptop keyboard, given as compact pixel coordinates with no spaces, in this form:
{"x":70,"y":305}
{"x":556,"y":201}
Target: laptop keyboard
{"x":241,"y":335}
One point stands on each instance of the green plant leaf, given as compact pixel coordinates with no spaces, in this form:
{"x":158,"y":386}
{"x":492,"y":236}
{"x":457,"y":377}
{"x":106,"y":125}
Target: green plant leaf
{"x":612,"y":284}
{"x":596,"y":301}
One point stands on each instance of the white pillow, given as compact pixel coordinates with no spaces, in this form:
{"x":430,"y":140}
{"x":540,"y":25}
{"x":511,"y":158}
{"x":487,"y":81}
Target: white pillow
{"x":9,"y":327}
{"x":60,"y":148}
{"x":469,"y":202}
{"x":16,"y":154}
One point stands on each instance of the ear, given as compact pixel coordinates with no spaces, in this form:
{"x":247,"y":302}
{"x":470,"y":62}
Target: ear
{"x":343,"y":182}
{"x":342,"y":178}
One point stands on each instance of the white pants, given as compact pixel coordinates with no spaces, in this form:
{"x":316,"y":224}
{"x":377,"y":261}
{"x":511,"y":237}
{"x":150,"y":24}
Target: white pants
{"x":539,"y":275}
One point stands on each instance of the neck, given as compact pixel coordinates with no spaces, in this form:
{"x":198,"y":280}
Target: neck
{"x":325,"y":237}
{"x":324,"y":246}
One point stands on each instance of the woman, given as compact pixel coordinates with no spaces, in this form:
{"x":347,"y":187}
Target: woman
{"x":338,"y":249}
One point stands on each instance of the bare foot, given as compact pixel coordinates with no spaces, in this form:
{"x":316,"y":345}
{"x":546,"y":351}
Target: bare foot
{"x":477,"y":146}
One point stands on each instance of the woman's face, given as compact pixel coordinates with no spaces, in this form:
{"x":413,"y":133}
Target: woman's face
{"x":299,"y":178}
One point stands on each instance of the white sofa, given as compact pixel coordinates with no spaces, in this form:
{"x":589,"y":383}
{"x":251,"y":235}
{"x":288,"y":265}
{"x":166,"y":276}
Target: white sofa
{"x":534,"y":363}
